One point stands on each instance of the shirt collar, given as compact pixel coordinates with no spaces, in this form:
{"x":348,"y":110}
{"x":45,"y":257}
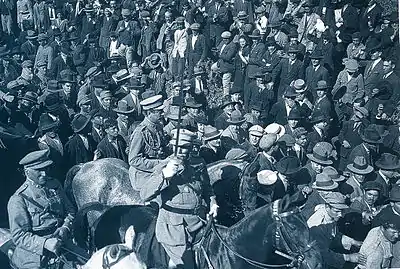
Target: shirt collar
{"x":384,"y":177}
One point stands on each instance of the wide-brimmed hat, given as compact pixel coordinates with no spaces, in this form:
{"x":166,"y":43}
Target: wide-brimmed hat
{"x":319,"y":117}
{"x":333,"y":174}
{"x":227,"y":101}
{"x":372,"y":185}
{"x":321,"y":154}
{"x":83,"y":99}
{"x":299,"y":86}
{"x":92,"y":72}
{"x":255,"y":34}
{"x":293,"y":49}
{"x":154,"y":60}
{"x":275,"y":128}
{"x":288,"y":165}
{"x":121,"y":75}
{"x":124,"y":108}
{"x":336,"y":199}
{"x":47,"y":123}
{"x":324,"y":182}
{"x":80,"y":122}
{"x":37,"y":159}
{"x":211,"y":133}
{"x":236,"y":118}
{"x":52,"y":102}
{"x":31,"y":97}
{"x":31,"y":35}
{"x":52,"y":86}
{"x":295,"y":114}
{"x":388,"y":161}
{"x":371,"y":135}
{"x":394,"y":195}
{"x":317,"y":54}
{"x":290,"y":92}
{"x":360,"y":166}
{"x":191,"y":103}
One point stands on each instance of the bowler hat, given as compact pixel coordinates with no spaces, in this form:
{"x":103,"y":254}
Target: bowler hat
{"x":66,"y":77}
{"x":31,"y":96}
{"x":321,"y":85}
{"x":321,"y":154}
{"x":124,"y":108}
{"x":236,"y":118}
{"x":47,"y":123}
{"x":360,"y":166}
{"x":211,"y":133}
{"x":256,"y":106}
{"x":295,"y":114}
{"x":255,"y":34}
{"x":293,"y":49}
{"x":191,"y":103}
{"x":318,"y":116}
{"x":371,"y":136}
{"x":235,"y":89}
{"x":317,"y":54}
{"x":42,"y":36}
{"x":52,"y":86}
{"x":37,"y":159}
{"x":79,"y":123}
{"x":324,"y":182}
{"x":388,"y":161}
{"x":227,"y":101}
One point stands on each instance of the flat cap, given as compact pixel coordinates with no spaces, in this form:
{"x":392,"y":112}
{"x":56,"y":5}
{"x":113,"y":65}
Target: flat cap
{"x":256,"y":130}
{"x":336,"y":200}
{"x":27,"y":63}
{"x":36,"y":160}
{"x":226,"y":34}
{"x":267,"y":141}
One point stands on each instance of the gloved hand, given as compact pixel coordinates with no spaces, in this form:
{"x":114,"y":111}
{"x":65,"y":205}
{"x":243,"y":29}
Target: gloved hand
{"x":52,"y":244}
{"x":172,"y":168}
{"x":213,"y":210}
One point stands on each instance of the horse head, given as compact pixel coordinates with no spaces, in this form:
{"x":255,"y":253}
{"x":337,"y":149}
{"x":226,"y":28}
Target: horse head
{"x":292,"y":239}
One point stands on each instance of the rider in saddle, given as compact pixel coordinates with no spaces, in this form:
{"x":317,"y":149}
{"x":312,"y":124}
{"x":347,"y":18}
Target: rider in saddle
{"x":181,"y":190}
{"x":40,"y":216}
{"x":146,"y":148}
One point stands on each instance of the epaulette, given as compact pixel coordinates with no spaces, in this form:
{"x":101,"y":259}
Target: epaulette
{"x":22,"y":188}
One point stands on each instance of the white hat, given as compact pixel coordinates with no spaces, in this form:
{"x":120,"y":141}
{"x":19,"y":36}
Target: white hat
{"x":275,"y":128}
{"x":267,"y":177}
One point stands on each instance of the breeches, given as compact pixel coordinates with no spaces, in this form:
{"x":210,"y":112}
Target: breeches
{"x":226,"y":78}
{"x":127,"y":52}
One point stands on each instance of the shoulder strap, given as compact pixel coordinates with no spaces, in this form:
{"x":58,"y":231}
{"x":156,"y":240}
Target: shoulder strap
{"x":32,"y":201}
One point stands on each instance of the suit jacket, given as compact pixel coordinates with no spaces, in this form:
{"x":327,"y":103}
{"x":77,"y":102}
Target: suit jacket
{"x":394,"y":81}
{"x":107,"y":27}
{"x":372,"y":76}
{"x":243,"y":5}
{"x":222,"y":21}
{"x":305,"y":25}
{"x":324,"y":106}
{"x":227,"y":57}
{"x":29,"y":50}
{"x":108,"y":150}
{"x":350,"y":19}
{"x":76,"y":152}
{"x":221,"y":121}
{"x":59,"y":65}
{"x":147,"y":41}
{"x":278,"y":113}
{"x":285,"y":73}
{"x":96,"y":137}
{"x":89,"y":27}
{"x":312,"y":77}
{"x":355,"y":87}
{"x":256,"y":60}
{"x":129,"y":35}
{"x":313,"y":138}
{"x":198,"y":52}
{"x":373,"y":15}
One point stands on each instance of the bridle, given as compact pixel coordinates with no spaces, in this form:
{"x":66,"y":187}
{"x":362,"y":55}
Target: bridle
{"x":294,"y":254}
{"x":113,"y":254}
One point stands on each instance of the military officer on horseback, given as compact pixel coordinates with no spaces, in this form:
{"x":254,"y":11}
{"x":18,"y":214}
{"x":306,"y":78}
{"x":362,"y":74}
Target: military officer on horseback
{"x":181,"y":190}
{"x":40,"y":215}
{"x":147,"y":143}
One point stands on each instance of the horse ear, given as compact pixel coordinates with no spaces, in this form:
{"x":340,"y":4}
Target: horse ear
{"x":129,"y":237}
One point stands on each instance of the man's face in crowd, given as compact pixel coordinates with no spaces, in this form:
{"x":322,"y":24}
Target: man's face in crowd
{"x":317,"y":167}
{"x":97,"y":121}
{"x":17,"y":57}
{"x":39,"y":176}
{"x":307,"y":10}
{"x":106,"y":102}
{"x":293,"y":123}
{"x":356,"y":41}
{"x":193,"y":111}
{"x":333,"y":212}
{"x":293,"y":40}
{"x":215,"y":143}
{"x":300,"y":96}
{"x":292,"y":56}
{"x":113,"y":4}
{"x":371,"y":196}
{"x":200,"y":127}
{"x":242,"y":42}
{"x":155,"y":115}
{"x":42,"y":42}
{"x":183,"y":152}
{"x":67,"y":88}
{"x":315,"y":62}
{"x":226,"y":40}
{"x":375,"y":55}
{"x":271,"y":49}
{"x":359,"y":178}
{"x":228,"y":109}
{"x":301,"y":141}
{"x":321,"y":125}
{"x":107,"y":13}
{"x":168,"y":17}
{"x":391,"y":234}
{"x":387,"y":67}
{"x":255,"y":113}
{"x":290,"y":102}
{"x":176,"y":91}
{"x":320,"y":93}
{"x":254,"y":140}
{"x":86,"y":107}
{"x":126,"y":18}
{"x":25,"y":105}
{"x":112,"y":131}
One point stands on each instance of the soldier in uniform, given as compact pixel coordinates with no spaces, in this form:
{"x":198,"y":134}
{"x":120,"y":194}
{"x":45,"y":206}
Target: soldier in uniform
{"x":181,"y":188}
{"x":147,"y":142}
{"x":40,"y":215}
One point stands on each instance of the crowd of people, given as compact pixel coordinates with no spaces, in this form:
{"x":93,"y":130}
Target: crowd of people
{"x":305,"y":92}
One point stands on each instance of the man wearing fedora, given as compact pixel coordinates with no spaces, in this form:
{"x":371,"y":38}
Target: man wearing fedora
{"x":322,"y":103}
{"x":227,"y":108}
{"x":359,"y":171}
{"x":331,"y":242}
{"x":68,"y":92}
{"x":28,"y":111}
{"x":320,"y":130}
{"x":316,"y":72}
{"x":125,"y":119}
{"x":387,"y":173}
{"x":132,"y":98}
{"x":177,"y":222}
{"x":193,"y":109}
{"x":29,"y":47}
{"x":261,"y":92}
{"x":81,"y":146}
{"x":113,"y":145}
{"x":320,"y":157}
{"x":369,"y":148}
{"x":233,"y":135}
{"x":281,"y":109}
{"x":62,"y":62}
{"x":211,"y":150}
{"x":147,"y":145}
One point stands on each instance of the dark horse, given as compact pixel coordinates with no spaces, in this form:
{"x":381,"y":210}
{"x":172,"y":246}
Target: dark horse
{"x":250,"y":243}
